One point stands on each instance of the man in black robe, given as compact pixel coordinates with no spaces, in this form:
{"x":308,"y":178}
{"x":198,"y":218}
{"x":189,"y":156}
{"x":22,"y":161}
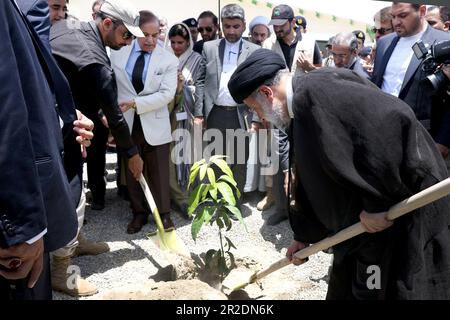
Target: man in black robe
{"x":358,"y":152}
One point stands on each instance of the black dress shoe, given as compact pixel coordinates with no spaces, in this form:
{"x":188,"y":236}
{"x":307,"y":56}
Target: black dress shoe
{"x":97,"y":205}
{"x":167,"y":222}
{"x":139,"y":220}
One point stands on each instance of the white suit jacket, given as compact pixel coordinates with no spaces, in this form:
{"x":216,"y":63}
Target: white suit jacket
{"x":159,"y":89}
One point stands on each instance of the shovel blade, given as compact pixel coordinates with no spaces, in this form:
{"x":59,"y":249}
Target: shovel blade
{"x":237,"y":279}
{"x":169,"y":241}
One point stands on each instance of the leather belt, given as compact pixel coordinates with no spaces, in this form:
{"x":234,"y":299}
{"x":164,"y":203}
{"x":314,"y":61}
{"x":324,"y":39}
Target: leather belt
{"x":227,"y":108}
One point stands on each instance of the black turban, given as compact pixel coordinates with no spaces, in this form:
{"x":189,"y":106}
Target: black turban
{"x":260,"y":66}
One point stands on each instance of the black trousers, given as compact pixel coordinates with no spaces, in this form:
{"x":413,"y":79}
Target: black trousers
{"x":18,"y":290}
{"x":222,"y":119}
{"x":96,"y":161}
{"x":156,"y":171}
{"x":353,"y":271}
{"x":281,"y":201}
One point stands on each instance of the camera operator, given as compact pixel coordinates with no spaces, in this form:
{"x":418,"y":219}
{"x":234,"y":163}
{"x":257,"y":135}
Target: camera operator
{"x":399,"y":72}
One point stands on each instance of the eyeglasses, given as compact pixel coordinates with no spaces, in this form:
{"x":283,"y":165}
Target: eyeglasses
{"x":339,"y":56}
{"x":207,"y":29}
{"x":381,"y":30}
{"x":128,"y":35}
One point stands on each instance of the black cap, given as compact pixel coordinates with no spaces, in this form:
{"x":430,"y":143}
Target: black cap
{"x":191,"y":22}
{"x":281,"y":14}
{"x":360,"y":35}
{"x":260,"y":66}
{"x":300,"y":21}
{"x":365,"y":51}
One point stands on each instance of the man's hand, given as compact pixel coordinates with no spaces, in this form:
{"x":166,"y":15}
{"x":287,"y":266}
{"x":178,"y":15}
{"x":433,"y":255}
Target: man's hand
{"x":180,"y":82}
{"x":286,"y":183}
{"x":375,"y":222}
{"x":83,"y":126}
{"x":304,"y":63}
{"x":443,"y":150}
{"x":136,"y":165}
{"x":198,"y":121}
{"x":22,"y":260}
{"x":125,"y":106}
{"x":293,"y":248}
{"x":265,"y":124}
{"x":255,"y":127}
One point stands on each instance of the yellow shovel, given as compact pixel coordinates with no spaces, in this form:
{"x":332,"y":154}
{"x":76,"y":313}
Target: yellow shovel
{"x":238,"y":279}
{"x":166,"y":241}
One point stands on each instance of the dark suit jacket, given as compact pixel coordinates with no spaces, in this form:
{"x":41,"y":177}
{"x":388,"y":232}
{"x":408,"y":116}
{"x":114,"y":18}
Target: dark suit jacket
{"x":416,"y":90}
{"x":37,"y":12}
{"x":359,"y":69}
{"x":34,"y":192}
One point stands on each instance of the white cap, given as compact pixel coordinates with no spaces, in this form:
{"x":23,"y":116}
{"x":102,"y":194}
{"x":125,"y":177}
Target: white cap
{"x":122,"y":10}
{"x":260,"y":20}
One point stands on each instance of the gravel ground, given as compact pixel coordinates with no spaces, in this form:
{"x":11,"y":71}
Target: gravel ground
{"x":134,"y":259}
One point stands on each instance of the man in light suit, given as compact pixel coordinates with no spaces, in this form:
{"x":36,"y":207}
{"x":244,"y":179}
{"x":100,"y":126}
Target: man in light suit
{"x":397,"y":71}
{"x":221,"y":58}
{"x":147,"y":79}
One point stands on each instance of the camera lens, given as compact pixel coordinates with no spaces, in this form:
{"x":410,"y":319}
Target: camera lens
{"x":438,"y":79}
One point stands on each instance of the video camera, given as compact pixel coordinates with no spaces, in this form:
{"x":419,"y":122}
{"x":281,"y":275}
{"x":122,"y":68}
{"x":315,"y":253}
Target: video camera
{"x":433,"y":58}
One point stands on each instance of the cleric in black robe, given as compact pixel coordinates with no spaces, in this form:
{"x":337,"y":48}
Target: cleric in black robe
{"x":359,"y":151}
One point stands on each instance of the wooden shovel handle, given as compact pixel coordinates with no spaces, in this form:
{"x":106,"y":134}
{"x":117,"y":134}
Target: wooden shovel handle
{"x":151,"y":203}
{"x":414,"y":202}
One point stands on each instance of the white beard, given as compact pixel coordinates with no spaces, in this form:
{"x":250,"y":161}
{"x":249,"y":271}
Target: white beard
{"x":274,"y":113}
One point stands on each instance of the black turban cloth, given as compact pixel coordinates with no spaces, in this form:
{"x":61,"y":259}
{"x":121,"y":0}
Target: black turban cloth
{"x":260,"y":66}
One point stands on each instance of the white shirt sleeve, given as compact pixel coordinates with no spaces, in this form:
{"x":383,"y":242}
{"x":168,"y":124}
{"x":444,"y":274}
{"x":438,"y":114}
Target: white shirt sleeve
{"x":36,"y":238}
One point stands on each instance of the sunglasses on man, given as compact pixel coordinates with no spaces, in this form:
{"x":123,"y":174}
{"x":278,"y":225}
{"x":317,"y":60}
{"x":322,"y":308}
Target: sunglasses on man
{"x":127,"y":34}
{"x":207,"y":29}
{"x":381,"y":30}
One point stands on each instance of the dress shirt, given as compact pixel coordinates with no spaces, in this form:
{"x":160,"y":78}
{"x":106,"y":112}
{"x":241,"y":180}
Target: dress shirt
{"x":398,"y":65}
{"x":135,"y":53}
{"x":230,"y":63}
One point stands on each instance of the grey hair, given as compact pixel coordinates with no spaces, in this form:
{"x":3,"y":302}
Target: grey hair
{"x":96,"y":3}
{"x":232,"y":11}
{"x":274,"y":81}
{"x":384,"y":15}
{"x":346,"y":39}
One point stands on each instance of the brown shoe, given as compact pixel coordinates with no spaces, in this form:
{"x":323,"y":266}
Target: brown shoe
{"x":137,"y":223}
{"x":167,"y":222}
{"x":267,"y":202}
{"x":65,"y":281}
{"x":86,"y":247}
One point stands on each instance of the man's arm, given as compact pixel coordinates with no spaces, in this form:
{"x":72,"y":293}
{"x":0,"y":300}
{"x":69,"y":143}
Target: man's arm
{"x":22,"y":212}
{"x":200,"y":89}
{"x":104,"y":89}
